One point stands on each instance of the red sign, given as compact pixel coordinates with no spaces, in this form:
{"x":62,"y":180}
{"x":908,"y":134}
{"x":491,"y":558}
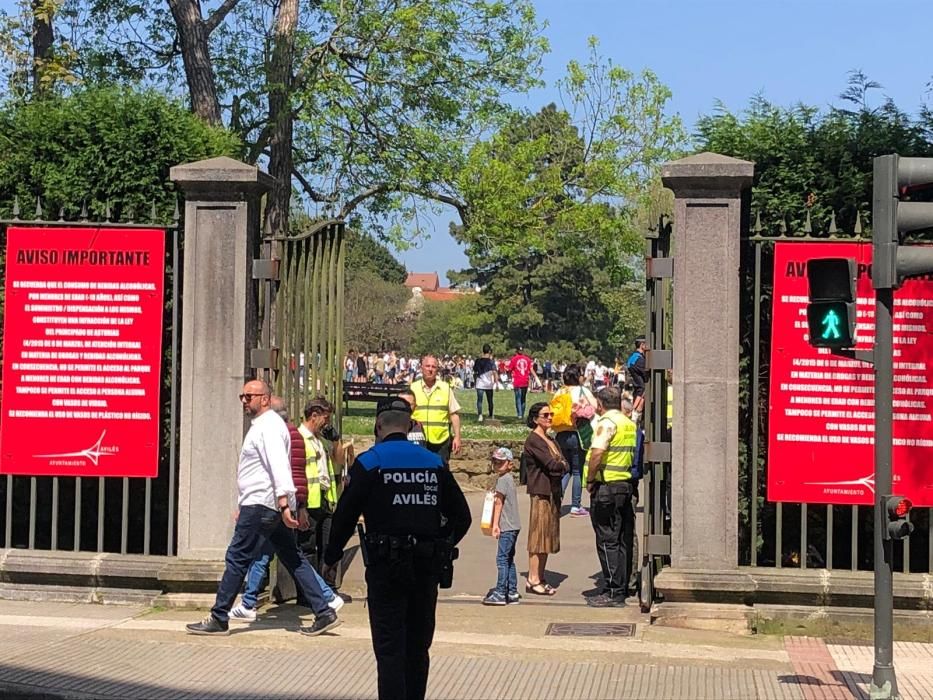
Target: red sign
{"x":821,"y":419}
{"x":82,"y":350}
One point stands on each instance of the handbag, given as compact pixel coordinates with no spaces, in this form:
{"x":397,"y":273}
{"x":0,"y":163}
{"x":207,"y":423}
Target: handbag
{"x":583,"y":409}
{"x":488,"y":506}
{"x":585,"y":434}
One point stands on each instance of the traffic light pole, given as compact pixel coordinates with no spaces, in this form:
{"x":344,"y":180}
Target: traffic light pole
{"x":883,"y":679}
{"x":892,"y":262}
{"x":885,"y":241}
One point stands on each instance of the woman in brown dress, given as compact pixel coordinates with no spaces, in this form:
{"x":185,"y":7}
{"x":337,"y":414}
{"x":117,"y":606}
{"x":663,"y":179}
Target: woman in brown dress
{"x":545,"y":466}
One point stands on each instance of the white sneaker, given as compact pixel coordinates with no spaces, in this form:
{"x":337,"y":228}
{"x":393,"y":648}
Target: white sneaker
{"x":336,"y":603}
{"x":241,"y":613}
{"x":479,"y":418}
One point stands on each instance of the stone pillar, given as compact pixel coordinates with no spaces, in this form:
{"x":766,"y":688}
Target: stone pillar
{"x":219,"y":328}
{"x":710,"y":210}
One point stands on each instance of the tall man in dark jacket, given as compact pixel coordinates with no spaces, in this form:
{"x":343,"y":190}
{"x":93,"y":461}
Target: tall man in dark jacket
{"x":402,"y":490}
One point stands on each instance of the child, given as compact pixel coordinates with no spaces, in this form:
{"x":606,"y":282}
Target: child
{"x":506,"y":524}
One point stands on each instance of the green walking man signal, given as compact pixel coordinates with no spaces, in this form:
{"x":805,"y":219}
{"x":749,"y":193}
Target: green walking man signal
{"x":831,"y":311}
{"x":831,"y":326}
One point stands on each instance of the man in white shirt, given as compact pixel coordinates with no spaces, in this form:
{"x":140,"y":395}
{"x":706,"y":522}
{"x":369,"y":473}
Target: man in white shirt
{"x":267,"y":511}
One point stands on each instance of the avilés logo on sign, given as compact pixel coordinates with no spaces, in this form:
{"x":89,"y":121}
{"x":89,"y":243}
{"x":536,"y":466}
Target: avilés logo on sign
{"x":92,"y":453}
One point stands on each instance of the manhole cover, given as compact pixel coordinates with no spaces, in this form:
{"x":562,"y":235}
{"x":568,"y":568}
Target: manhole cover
{"x":591,"y":629}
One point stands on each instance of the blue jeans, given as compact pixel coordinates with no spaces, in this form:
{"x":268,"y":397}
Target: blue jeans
{"x":256,"y":526}
{"x":507,"y":579}
{"x":520,"y":401}
{"x":480,"y":393}
{"x":257,"y":574}
{"x":569,"y":443}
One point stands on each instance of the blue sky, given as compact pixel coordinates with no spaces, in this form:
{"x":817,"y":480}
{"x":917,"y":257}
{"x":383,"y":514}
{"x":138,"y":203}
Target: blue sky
{"x":726,"y":50}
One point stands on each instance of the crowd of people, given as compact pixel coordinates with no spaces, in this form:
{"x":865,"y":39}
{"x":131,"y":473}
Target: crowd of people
{"x":461,"y":372}
{"x":487,"y":373}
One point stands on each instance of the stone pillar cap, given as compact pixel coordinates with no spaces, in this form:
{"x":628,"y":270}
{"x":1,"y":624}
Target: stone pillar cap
{"x":707,"y":173}
{"x":221,"y":175}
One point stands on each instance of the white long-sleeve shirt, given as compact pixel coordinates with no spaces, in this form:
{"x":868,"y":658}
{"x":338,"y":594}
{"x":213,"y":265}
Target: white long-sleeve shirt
{"x":264,"y":473}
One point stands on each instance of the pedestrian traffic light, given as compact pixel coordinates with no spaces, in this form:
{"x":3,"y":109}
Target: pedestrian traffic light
{"x":898,"y":509}
{"x":831,"y":311}
{"x":897,"y":185}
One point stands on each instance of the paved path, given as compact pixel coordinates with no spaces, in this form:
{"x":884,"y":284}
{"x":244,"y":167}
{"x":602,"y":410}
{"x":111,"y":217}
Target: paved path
{"x":87,"y":651}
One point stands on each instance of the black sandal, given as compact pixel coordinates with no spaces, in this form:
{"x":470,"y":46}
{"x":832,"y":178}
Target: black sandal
{"x":539,"y":588}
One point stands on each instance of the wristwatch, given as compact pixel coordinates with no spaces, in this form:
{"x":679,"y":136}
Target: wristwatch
{"x":282,"y":509}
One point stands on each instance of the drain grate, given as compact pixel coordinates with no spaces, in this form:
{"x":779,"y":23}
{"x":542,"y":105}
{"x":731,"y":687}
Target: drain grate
{"x":591,"y":629}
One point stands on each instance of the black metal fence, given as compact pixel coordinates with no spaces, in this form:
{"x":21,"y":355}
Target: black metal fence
{"x":783,"y":534}
{"x":129,"y":516}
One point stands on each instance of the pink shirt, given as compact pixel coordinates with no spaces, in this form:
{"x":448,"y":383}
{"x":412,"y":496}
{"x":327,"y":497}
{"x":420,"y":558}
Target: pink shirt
{"x":520,"y":367}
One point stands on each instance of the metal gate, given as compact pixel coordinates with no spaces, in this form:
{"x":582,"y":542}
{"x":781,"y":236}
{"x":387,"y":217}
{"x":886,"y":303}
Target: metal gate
{"x":796,"y":535}
{"x":655,"y":540}
{"x":112,"y":514}
{"x":302,"y":306}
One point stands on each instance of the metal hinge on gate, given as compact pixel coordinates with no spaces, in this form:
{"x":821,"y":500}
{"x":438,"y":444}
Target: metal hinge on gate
{"x":657,"y":452}
{"x":659,"y":359}
{"x":264,"y":358}
{"x":265,"y":269}
{"x":659,"y":545}
{"x":659,"y":268}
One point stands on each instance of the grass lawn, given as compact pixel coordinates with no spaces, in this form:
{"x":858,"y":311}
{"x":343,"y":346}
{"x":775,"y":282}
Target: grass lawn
{"x":361,"y":415}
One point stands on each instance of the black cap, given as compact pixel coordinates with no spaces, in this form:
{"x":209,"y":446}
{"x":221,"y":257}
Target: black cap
{"x":395,"y":404}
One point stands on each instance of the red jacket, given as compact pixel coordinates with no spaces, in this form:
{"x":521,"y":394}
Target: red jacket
{"x":298,"y":466}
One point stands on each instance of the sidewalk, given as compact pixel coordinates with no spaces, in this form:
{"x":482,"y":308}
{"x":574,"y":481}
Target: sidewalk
{"x":87,"y":651}
{"x":125,"y":653}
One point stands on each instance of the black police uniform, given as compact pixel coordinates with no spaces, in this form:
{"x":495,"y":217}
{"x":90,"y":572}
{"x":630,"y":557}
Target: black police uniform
{"x":402,"y":490}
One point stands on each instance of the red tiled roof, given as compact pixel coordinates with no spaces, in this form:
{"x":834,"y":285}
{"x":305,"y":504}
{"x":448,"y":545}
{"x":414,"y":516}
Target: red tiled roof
{"x":441,"y":294}
{"x":428,"y":281}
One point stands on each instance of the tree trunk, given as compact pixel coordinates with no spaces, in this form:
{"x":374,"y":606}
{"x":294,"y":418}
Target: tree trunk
{"x":42,"y":38}
{"x":280,"y":82}
{"x":193,"y":37}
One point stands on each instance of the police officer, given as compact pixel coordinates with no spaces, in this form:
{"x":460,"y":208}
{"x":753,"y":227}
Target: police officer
{"x":402,"y":491}
{"x":437,"y":410}
{"x":609,"y":481}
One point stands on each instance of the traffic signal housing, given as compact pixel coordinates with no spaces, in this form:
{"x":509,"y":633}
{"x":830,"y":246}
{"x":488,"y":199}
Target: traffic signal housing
{"x":898,"y":510}
{"x":831,"y":319}
{"x":899,"y":185}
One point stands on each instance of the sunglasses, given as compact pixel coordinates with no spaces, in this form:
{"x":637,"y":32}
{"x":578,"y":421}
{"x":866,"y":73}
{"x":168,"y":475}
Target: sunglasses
{"x":249,"y":397}
{"x":545,"y":415}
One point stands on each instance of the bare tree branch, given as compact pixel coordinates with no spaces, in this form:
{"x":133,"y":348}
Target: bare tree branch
{"x":218,"y":15}
{"x":315,"y":195}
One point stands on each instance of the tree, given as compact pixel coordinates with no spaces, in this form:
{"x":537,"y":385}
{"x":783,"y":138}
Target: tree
{"x":103,"y":147}
{"x":383,"y":93}
{"x":812,"y":161}
{"x":454,"y":326}
{"x":374,"y":314}
{"x":364,"y":252}
{"x":552,"y":199}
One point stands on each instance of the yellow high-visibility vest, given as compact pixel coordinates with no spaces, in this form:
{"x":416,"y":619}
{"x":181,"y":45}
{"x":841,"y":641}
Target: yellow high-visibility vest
{"x":670,"y":405}
{"x":616,"y":464}
{"x":312,"y":446}
{"x":433,"y":411}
